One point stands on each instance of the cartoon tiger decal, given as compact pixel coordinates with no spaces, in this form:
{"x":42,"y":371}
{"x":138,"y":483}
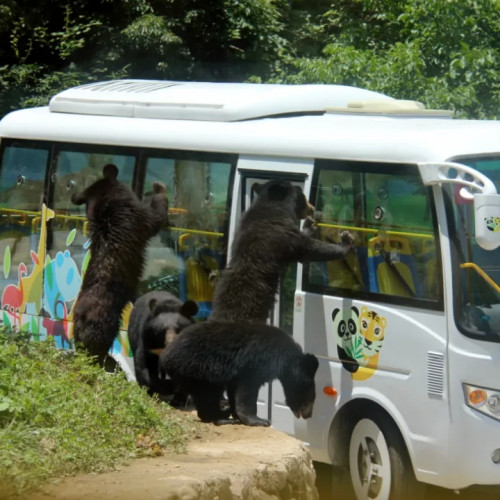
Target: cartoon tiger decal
{"x":360,"y":338}
{"x":372,"y":330}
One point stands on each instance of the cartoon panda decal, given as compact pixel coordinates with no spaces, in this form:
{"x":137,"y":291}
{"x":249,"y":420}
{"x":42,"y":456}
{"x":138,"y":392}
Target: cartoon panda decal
{"x":345,"y":328}
{"x":360,"y":338}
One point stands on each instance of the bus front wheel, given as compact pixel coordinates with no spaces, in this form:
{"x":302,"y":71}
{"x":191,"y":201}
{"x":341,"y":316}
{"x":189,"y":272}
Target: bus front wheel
{"x":380,"y":468}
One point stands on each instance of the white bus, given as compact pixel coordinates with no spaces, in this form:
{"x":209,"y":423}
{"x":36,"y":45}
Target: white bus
{"x":407,"y":328}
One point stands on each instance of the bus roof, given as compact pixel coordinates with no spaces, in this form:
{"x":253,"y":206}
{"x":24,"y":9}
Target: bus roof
{"x":304,"y":121}
{"x":203,"y":100}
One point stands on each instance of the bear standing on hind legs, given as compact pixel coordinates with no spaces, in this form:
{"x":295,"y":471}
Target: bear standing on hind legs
{"x":120,"y":226}
{"x":267,"y":241}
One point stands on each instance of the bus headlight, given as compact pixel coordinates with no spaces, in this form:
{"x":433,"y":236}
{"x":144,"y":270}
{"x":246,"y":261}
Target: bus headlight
{"x":486,"y":401}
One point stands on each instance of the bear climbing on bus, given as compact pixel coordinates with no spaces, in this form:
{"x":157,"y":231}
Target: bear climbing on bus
{"x":267,"y":240}
{"x":119,"y":226}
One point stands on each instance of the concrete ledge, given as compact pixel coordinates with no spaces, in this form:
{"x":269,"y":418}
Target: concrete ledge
{"x":223,"y":463}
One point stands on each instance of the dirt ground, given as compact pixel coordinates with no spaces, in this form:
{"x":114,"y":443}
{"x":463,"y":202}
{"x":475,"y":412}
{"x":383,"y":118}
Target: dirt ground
{"x":222,"y":462}
{"x":230,"y":462}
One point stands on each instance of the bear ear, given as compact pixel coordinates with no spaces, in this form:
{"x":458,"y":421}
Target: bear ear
{"x":303,"y":207}
{"x":152,"y":305}
{"x":310,"y":364}
{"x":110,"y":171}
{"x":189,"y":308}
{"x":256,"y":188}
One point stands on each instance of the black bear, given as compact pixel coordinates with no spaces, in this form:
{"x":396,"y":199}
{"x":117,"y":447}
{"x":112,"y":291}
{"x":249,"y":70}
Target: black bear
{"x":119,"y":226}
{"x":156,"y":319}
{"x":267,"y":241}
{"x":211,"y":357}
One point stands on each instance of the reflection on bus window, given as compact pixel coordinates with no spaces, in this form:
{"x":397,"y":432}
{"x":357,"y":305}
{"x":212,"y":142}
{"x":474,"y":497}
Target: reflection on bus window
{"x":391,"y":218}
{"x":22,"y":191}
{"x":44,"y":262}
{"x":76,"y":170}
{"x":22,"y":177}
{"x":476,"y":295}
{"x":185,"y":258}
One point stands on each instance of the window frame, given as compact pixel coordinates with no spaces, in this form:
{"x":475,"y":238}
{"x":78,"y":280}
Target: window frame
{"x":32,"y":144}
{"x":396,"y":169}
{"x":141,"y":155}
{"x":457,"y":278}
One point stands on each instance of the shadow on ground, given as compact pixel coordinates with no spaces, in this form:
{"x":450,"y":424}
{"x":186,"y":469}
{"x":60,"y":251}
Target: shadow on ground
{"x":334,"y":488}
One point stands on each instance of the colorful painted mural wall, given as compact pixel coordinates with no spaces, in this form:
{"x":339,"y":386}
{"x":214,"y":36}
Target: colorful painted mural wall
{"x":41,"y":298}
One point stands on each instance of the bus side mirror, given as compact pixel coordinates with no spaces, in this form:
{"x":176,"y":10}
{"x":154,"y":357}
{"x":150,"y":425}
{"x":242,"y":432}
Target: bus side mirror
{"x":487,"y":220}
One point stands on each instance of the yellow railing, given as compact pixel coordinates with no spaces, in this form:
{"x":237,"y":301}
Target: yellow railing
{"x":195,"y":231}
{"x":14,"y":211}
{"x":482,"y":273}
{"x":377,"y":231}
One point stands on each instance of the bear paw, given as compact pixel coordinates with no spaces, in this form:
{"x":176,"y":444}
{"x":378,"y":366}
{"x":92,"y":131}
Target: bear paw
{"x":310,"y":226}
{"x":254,"y":421}
{"x":347,"y":238}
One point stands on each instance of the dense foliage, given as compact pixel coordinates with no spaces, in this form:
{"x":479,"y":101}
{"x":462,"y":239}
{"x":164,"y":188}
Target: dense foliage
{"x":61,"y":414}
{"x":444,"y":53}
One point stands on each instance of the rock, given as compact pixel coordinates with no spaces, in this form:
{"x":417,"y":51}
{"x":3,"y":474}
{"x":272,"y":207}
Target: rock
{"x":231,"y":462}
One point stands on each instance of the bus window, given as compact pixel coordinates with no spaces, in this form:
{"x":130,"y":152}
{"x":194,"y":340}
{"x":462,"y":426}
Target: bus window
{"x":22,"y":190}
{"x":76,"y":170}
{"x":390,"y":213}
{"x":186,"y":257}
{"x":22,"y":177}
{"x":476,"y":294}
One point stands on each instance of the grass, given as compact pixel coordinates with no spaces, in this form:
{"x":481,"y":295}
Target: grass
{"x":60,"y":414}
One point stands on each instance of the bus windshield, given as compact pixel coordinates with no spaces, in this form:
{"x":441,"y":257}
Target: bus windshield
{"x":476,"y":280}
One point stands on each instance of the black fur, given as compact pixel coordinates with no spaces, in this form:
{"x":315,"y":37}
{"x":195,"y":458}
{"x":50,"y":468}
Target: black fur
{"x":210,"y":357}
{"x":267,"y":241}
{"x":119,"y":228}
{"x":156,"y":319}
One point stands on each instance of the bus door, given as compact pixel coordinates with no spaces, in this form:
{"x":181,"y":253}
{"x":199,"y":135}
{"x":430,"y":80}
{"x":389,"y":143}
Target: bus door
{"x":23,"y":213}
{"x":271,"y":401}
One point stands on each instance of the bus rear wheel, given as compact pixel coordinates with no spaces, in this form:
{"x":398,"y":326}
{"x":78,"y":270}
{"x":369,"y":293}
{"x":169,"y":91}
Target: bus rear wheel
{"x":380,"y":468}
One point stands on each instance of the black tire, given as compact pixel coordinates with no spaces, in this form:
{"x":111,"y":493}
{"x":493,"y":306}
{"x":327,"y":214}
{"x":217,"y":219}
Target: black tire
{"x":379,"y":465}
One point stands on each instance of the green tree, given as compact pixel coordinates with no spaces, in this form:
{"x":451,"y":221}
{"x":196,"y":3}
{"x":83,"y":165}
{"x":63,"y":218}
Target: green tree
{"x":51,"y":45}
{"x":48,"y":46}
{"x":444,"y":53}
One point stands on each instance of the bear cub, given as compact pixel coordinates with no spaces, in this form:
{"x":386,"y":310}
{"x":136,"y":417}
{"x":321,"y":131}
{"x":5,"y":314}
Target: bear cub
{"x":267,"y":240}
{"x":209,"y":358}
{"x":120,"y":226}
{"x":156,"y":319}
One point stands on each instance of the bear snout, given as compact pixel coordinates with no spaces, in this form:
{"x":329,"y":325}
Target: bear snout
{"x":305,"y":412}
{"x":170,"y":334}
{"x":77,"y":199}
{"x":310,"y":209}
